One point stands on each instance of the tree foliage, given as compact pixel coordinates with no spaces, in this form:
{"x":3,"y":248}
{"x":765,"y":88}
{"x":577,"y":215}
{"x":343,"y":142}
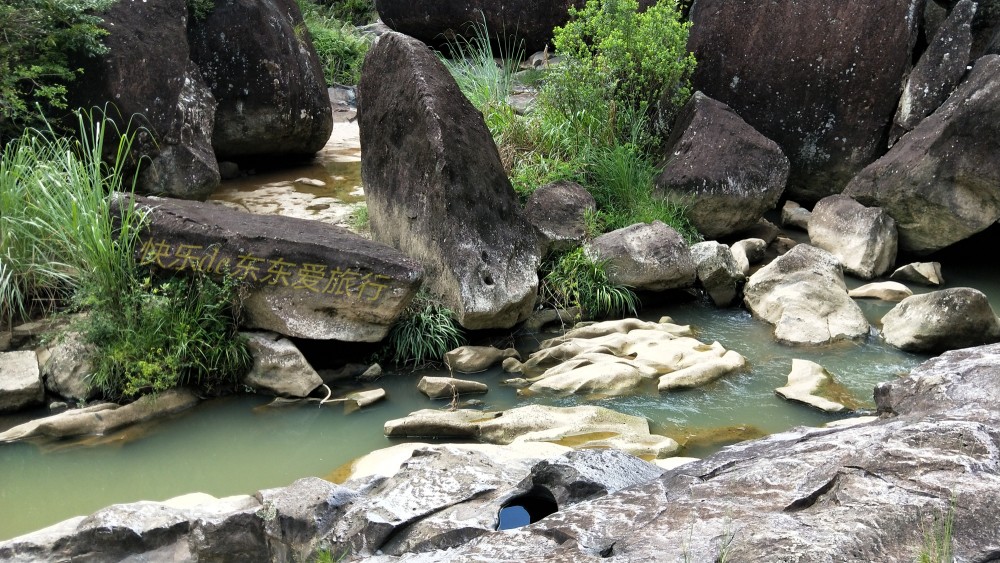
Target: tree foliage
{"x":38,"y":41}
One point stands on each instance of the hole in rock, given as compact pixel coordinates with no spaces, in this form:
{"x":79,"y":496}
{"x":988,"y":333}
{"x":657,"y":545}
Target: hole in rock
{"x":527,"y":509}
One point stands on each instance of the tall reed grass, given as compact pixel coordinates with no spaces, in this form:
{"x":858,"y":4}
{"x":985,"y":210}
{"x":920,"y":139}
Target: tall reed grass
{"x":57,"y":231}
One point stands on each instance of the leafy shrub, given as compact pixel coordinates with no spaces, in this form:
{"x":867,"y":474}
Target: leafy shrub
{"x":426,"y":331}
{"x":38,"y":41}
{"x":574,"y":280}
{"x":181,"y":331}
{"x":341,"y":49}
{"x":199,"y":9}
{"x":637,"y":60}
{"x":354,"y":12}
{"x":58,"y":232}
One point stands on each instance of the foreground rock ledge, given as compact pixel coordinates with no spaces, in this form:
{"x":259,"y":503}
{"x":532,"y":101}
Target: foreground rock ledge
{"x":861,"y":493}
{"x":306,"y":279}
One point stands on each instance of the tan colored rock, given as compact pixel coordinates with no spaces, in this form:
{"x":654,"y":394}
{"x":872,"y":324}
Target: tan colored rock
{"x":923,"y":273}
{"x":576,"y":427}
{"x":472,"y":359}
{"x":103,"y":418}
{"x":445,"y":387}
{"x":705,"y":371}
{"x":886,"y":291}
{"x":278,"y":367}
{"x":812,"y":385}
{"x":20,"y":381}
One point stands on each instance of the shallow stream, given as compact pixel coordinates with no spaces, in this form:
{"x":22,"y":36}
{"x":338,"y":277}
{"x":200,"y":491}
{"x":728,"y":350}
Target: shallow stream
{"x":238,"y":445}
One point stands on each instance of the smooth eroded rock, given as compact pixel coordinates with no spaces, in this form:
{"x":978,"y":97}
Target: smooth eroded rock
{"x":718,"y":271}
{"x":863,"y":238}
{"x":473,"y":359}
{"x":445,"y":387}
{"x":941,"y":320}
{"x":923,"y":273}
{"x":886,"y":291}
{"x":809,"y":383}
{"x":20,"y":381}
{"x":645,"y":256}
{"x":279,"y":368}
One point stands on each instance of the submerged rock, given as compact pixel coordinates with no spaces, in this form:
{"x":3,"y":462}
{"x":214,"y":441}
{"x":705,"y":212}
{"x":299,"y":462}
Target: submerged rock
{"x":803,"y":294}
{"x":437,"y":190}
{"x":303,"y":278}
{"x":809,"y":383}
{"x":942,"y":320}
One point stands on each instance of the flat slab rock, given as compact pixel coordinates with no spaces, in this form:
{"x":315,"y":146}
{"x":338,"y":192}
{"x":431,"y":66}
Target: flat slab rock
{"x":623,"y":356}
{"x":577,"y":427}
{"x":810,"y":384}
{"x":306,"y":279}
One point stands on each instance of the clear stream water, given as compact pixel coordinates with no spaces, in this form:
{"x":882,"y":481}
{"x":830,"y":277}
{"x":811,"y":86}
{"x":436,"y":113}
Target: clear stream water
{"x":237,"y":445}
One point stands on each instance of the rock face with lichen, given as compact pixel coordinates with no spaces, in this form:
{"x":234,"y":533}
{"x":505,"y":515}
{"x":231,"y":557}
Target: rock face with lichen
{"x":821,"y":79}
{"x":437,"y":190}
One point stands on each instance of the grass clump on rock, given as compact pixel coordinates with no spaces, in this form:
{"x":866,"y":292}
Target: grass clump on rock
{"x":573,"y":279}
{"x":426,"y":331}
{"x":341,"y":48}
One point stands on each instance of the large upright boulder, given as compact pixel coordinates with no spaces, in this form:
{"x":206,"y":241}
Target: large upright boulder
{"x":803,"y":294}
{"x":303,"y":278}
{"x":819,"y":78}
{"x":147,"y":71}
{"x":863,"y":238}
{"x":941,"y":182}
{"x":265,"y":76}
{"x":729,"y":172}
{"x":437,"y":190}
{"x":435,"y":21}
{"x":938,"y":71}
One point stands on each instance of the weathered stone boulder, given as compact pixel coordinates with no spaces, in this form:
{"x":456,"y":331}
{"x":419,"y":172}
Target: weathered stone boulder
{"x":266,"y":78}
{"x":527,"y":23}
{"x":865,"y":493}
{"x":645,"y":256}
{"x":821,"y":79}
{"x":923,"y":273}
{"x":304,"y":278}
{"x":938,"y":71}
{"x":941,"y":320}
{"x":558,"y":211}
{"x":437,"y":190}
{"x":473,"y":359}
{"x":296,"y":515}
{"x":863,"y":238}
{"x":729,"y":172}
{"x":810,"y":384}
{"x":794,"y":215}
{"x":746,"y":252}
{"x":102,"y":418}
{"x":20,"y":381}
{"x":278,"y":367}
{"x":445,"y":387}
{"x":579,"y":427}
{"x":148,"y":71}
{"x":718,"y":272}
{"x":940,"y":182}
{"x":65,"y":366}
{"x":621,"y":357}
{"x":803,"y":294}
{"x":886,"y":291}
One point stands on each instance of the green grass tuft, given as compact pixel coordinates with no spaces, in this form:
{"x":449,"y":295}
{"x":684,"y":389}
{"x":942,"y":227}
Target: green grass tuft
{"x":424,"y":334}
{"x":575,"y":280}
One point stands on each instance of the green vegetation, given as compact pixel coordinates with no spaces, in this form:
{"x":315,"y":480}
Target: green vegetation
{"x":359,"y":218}
{"x":62,"y":241}
{"x":937,"y":546}
{"x":354,"y":12}
{"x":40,"y":38}
{"x":168,"y":333}
{"x":597,"y":120}
{"x":575,"y":280}
{"x":426,"y":331}
{"x":340,"y":47}
{"x":199,"y":9}
{"x":57,"y":233}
